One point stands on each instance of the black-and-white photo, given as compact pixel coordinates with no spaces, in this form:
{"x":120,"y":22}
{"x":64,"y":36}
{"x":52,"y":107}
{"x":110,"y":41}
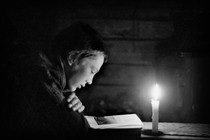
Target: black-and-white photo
{"x":64,"y":61}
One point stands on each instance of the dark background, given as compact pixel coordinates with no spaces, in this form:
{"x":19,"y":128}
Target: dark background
{"x":148,"y":41}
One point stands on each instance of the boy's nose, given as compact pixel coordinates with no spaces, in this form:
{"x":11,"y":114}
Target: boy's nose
{"x":90,"y":80}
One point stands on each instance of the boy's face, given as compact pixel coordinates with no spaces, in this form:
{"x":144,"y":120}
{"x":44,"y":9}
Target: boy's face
{"x":84,"y":71}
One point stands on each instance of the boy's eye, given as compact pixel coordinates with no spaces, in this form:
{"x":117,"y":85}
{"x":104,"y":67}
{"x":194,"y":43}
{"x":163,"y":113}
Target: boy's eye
{"x":92,"y":72}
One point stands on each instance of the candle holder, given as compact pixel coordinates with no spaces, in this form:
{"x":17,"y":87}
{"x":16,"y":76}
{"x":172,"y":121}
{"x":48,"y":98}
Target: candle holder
{"x":151,"y":133}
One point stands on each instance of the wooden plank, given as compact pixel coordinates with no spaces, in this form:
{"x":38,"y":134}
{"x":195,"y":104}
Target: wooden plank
{"x":128,"y":46}
{"x":128,"y":12}
{"x":119,"y":99}
{"x":153,"y":29}
{"x":152,"y":13}
{"x":131,"y":59}
{"x":192,"y":131}
{"x":111,"y":91}
{"x":134,"y":98}
{"x":125,"y":29}
{"x":124,"y":75}
{"x":99,"y":12}
{"x":107,"y":28}
{"x":131,"y":52}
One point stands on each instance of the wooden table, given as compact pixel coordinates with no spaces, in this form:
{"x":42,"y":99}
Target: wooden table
{"x":176,"y":131}
{"x":168,"y":131}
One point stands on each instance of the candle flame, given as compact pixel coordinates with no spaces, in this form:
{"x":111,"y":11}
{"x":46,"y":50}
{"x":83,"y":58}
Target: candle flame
{"x":156,"y":92}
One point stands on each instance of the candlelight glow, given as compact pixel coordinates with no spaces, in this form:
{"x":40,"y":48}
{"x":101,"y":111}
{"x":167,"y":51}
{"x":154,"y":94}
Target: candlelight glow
{"x":156,"y":92}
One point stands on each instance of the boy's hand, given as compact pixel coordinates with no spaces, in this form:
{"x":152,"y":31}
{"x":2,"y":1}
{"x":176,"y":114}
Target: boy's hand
{"x":74,"y":103}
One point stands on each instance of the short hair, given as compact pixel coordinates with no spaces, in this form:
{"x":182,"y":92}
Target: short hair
{"x":78,"y":36}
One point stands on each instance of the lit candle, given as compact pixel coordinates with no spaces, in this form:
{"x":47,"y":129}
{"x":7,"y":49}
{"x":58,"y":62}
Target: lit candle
{"x":155,"y":108}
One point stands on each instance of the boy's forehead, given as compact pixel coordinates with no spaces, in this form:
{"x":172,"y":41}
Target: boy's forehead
{"x":93,"y":61}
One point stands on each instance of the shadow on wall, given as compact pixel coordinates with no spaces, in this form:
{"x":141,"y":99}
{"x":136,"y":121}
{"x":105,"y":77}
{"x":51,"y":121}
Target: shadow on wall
{"x":182,"y":68}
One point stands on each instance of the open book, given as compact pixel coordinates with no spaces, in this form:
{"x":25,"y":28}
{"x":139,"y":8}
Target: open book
{"x":126,"y":121}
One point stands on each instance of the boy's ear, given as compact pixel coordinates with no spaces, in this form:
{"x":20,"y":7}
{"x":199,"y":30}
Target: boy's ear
{"x":73,"y":57}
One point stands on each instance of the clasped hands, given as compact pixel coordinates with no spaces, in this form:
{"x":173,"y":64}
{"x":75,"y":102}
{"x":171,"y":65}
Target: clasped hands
{"x":74,"y":103}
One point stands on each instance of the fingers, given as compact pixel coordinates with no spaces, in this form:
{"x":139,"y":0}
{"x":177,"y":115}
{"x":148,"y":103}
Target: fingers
{"x":75,"y":103}
{"x":71,"y":97}
{"x":82,"y":108}
{"x":78,"y":107}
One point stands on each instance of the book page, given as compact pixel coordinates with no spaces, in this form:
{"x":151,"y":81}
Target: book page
{"x":105,"y":120}
{"x":115,"y":121}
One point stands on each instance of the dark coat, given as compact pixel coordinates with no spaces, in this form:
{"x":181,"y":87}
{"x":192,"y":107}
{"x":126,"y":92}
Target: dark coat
{"x":30,"y":110}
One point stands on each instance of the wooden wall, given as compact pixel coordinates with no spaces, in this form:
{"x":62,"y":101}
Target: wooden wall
{"x":131,"y":34}
{"x":146,"y":44}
